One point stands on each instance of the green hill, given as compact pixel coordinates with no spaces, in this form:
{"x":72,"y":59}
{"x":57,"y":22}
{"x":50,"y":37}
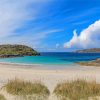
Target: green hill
{"x":16,"y":51}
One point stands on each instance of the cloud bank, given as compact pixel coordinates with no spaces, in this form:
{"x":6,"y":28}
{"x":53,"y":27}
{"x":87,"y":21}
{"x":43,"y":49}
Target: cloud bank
{"x":88,"y":38}
{"x":13,"y":16}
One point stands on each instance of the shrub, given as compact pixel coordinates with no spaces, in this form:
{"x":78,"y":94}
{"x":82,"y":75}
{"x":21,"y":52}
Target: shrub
{"x":27,"y":89}
{"x":2,"y":97}
{"x":76,"y":90}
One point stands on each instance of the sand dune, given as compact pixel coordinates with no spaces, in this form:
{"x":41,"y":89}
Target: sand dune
{"x":49,"y":77}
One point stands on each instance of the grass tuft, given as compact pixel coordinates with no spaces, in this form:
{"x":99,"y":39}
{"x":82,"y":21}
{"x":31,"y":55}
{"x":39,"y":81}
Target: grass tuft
{"x":2,"y":97}
{"x":20,"y":87}
{"x":76,"y":90}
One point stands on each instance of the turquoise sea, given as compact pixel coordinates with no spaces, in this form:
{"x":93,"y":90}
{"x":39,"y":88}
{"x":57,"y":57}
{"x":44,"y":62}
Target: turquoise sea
{"x":53,"y":58}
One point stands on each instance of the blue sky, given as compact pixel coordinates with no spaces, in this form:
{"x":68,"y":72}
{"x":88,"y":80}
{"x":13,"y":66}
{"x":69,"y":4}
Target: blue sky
{"x":50,"y":25}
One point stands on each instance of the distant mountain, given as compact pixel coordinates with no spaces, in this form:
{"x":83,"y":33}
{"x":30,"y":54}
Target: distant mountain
{"x":92,"y":50}
{"x":16,"y":51}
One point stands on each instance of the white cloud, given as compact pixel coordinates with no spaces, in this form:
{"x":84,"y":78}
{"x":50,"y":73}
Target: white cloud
{"x":89,"y":37}
{"x":13,"y":14}
{"x":34,"y":40}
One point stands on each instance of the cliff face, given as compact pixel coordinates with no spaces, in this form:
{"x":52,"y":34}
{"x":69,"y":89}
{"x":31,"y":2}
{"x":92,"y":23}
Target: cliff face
{"x":93,"y":50}
{"x":16,"y":51}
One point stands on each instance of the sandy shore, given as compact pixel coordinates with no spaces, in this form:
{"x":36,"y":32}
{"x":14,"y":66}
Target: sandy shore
{"x":49,"y":77}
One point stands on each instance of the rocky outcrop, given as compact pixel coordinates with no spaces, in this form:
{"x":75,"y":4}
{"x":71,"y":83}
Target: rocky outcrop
{"x":91,"y":63}
{"x":7,"y":51}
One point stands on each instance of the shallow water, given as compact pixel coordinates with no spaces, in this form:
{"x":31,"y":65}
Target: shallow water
{"x":58,"y":58}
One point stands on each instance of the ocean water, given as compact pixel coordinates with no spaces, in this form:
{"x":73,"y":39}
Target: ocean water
{"x":52,"y":58}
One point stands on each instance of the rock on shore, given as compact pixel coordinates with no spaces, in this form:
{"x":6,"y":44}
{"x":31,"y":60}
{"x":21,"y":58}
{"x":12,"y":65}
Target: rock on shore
{"x":91,"y":63}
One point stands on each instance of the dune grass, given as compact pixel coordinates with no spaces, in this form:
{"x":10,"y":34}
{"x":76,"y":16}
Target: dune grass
{"x":24,"y":88}
{"x":77,"y":90}
{"x":2,"y":97}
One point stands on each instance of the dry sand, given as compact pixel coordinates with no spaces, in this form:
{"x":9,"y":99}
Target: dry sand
{"x":47,"y":76}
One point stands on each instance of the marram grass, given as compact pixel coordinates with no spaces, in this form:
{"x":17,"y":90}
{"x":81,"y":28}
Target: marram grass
{"x":20,"y":87}
{"x":2,"y":97}
{"x":77,"y":90}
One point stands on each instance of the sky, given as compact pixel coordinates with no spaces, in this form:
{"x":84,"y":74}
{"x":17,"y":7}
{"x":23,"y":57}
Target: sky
{"x":51,"y":25}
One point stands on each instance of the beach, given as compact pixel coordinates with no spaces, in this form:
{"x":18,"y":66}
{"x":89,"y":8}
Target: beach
{"x":50,"y":77}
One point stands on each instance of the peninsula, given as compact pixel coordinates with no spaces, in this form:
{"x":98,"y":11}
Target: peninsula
{"x":7,"y":51}
{"x":92,"y":50}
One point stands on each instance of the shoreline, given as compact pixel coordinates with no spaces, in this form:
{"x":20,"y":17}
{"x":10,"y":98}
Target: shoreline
{"x":46,"y":76}
{"x":19,"y":64}
{"x":46,"y":66}
{"x":41,"y":66}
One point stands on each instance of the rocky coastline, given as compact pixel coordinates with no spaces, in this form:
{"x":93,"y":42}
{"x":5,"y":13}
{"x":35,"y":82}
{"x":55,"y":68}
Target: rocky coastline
{"x":10,"y":51}
{"x":91,"y":63}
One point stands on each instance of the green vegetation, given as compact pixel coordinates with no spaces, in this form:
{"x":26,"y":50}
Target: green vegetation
{"x":91,"y":63}
{"x":16,"y":50}
{"x":24,"y":90}
{"x":77,"y":90}
{"x":20,"y":87}
{"x":2,"y":97}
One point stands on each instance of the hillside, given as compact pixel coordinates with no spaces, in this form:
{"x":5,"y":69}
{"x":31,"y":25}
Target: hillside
{"x":92,"y":50}
{"x":16,"y":51}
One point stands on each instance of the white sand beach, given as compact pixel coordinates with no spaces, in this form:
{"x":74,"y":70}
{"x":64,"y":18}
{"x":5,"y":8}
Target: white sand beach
{"x":49,"y":77}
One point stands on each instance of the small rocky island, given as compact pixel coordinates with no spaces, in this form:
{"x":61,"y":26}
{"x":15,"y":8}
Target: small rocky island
{"x":7,"y":51}
{"x":92,"y":50}
{"x":91,"y":63}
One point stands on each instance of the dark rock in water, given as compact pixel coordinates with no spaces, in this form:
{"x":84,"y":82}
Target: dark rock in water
{"x":7,"y":51}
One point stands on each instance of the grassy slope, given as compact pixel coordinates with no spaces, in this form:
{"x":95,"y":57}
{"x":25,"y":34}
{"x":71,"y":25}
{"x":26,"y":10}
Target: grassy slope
{"x":20,"y":50}
{"x":26,"y":90}
{"x":2,"y":97}
{"x":77,"y":90}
